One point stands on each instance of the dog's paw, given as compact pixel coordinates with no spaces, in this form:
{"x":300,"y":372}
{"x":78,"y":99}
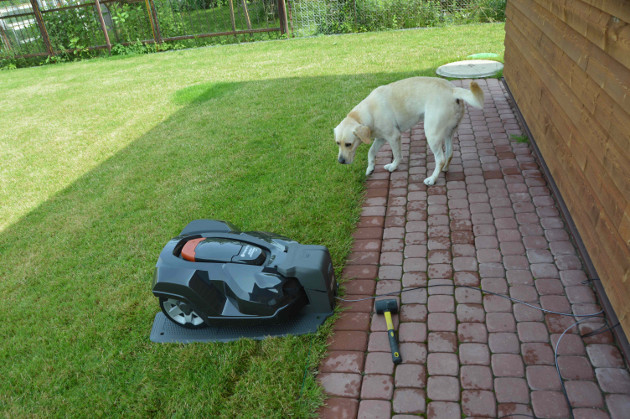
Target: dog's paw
{"x":369,"y":170}
{"x":429,"y":181}
{"x":390,"y":167}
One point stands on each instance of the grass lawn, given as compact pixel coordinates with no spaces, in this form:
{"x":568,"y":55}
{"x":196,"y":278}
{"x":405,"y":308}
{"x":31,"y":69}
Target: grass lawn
{"x":103,"y":161}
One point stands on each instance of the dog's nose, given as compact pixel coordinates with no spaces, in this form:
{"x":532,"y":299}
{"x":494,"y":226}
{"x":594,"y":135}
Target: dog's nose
{"x":342,"y":160}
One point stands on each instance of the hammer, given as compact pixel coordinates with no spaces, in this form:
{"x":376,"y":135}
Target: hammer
{"x":388,"y":307}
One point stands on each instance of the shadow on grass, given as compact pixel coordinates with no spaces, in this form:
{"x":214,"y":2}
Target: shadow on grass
{"x":76,"y":271}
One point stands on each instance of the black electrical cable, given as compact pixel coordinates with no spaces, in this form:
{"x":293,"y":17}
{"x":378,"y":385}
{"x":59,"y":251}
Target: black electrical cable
{"x":308,"y":359}
{"x":555,"y":357}
{"x":602,"y":329}
{"x":589,"y":280}
{"x":516,"y":300}
{"x":585,"y":318}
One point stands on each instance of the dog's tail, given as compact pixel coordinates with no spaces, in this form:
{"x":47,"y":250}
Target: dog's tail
{"x":473,"y":97}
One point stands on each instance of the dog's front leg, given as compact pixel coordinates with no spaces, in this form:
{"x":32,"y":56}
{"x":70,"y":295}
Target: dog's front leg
{"x":397,"y":152}
{"x":376,"y":146}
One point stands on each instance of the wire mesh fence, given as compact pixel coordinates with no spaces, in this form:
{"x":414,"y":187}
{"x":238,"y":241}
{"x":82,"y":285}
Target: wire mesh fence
{"x":51,"y":27}
{"x":18,"y":29}
{"x":311,"y":17}
{"x":186,"y":18}
{"x":48,"y":28}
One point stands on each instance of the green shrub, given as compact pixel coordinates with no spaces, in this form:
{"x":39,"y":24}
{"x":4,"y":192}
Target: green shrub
{"x":395,"y":14}
{"x":376,"y":15}
{"x":490,"y":11}
{"x":75,"y":29}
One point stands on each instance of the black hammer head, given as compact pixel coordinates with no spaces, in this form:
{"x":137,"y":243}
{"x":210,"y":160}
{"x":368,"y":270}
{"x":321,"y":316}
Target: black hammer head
{"x":382,"y":306}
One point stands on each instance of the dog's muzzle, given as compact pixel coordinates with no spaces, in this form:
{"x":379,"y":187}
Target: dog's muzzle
{"x":341,"y":160}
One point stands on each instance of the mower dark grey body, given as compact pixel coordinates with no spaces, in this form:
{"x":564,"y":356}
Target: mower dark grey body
{"x":214,"y":275}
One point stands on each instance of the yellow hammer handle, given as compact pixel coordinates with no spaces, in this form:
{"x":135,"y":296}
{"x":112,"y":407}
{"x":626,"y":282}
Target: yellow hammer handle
{"x":388,"y":320}
{"x":393,"y":343}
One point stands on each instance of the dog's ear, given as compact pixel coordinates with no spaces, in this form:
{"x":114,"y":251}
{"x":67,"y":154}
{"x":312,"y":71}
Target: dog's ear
{"x":363,"y":133}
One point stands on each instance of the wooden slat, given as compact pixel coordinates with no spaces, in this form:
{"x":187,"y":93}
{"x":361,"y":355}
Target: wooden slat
{"x":624,"y":227}
{"x":595,"y":141}
{"x":588,"y":21}
{"x":545,"y":123}
{"x":541,"y":94}
{"x":607,"y":114}
{"x":598,"y":243}
{"x":593,"y":161}
{"x":612,"y":122}
{"x":607,"y":32}
{"x":604,"y":70}
{"x":618,"y":41}
{"x":610,"y":75}
{"x":580,"y":202}
{"x":607,"y":147}
{"x":616,"y":8}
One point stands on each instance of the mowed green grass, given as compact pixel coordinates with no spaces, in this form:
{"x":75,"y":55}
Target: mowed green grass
{"x":103,"y":161}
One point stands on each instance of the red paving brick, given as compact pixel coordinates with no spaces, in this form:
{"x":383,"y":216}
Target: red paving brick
{"x":348,"y":340}
{"x":515,"y":410}
{"x":478,"y":403}
{"x":377,"y":386}
{"x":507,"y":365}
{"x":408,"y":400}
{"x":343,"y":361}
{"x":504,"y":343}
{"x":472,"y":332}
{"x":379,"y":363}
{"x":604,"y":356}
{"x":410,"y":375}
{"x":492,"y":222}
{"x":442,"y":364}
{"x":339,"y":408}
{"x":618,"y":405}
{"x":440,"y":410}
{"x":374,"y":409}
{"x":443,"y":388}
{"x":476,"y":377}
{"x":584,"y":394}
{"x":613,"y":380}
{"x":474,"y":354}
{"x":575,"y":368}
{"x":340,"y":384}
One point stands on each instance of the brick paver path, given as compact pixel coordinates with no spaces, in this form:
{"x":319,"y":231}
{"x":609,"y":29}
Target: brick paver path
{"x":491,"y":223}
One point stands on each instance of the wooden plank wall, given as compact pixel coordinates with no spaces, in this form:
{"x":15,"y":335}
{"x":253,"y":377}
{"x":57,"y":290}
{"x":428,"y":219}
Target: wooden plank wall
{"x":567,"y":64}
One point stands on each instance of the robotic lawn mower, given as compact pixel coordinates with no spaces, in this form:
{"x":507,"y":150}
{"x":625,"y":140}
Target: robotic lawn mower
{"x":216,"y":283}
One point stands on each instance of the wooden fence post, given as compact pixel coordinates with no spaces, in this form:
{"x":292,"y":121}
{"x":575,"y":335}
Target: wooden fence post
{"x":153,"y":20}
{"x":232,"y":16}
{"x":282,"y":14}
{"x":5,"y":38}
{"x":290,"y":19}
{"x":103,"y":27}
{"x":249,"y":22}
{"x":42,"y":27}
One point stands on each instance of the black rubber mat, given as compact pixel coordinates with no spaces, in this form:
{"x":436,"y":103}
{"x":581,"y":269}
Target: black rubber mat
{"x":165,"y":331}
